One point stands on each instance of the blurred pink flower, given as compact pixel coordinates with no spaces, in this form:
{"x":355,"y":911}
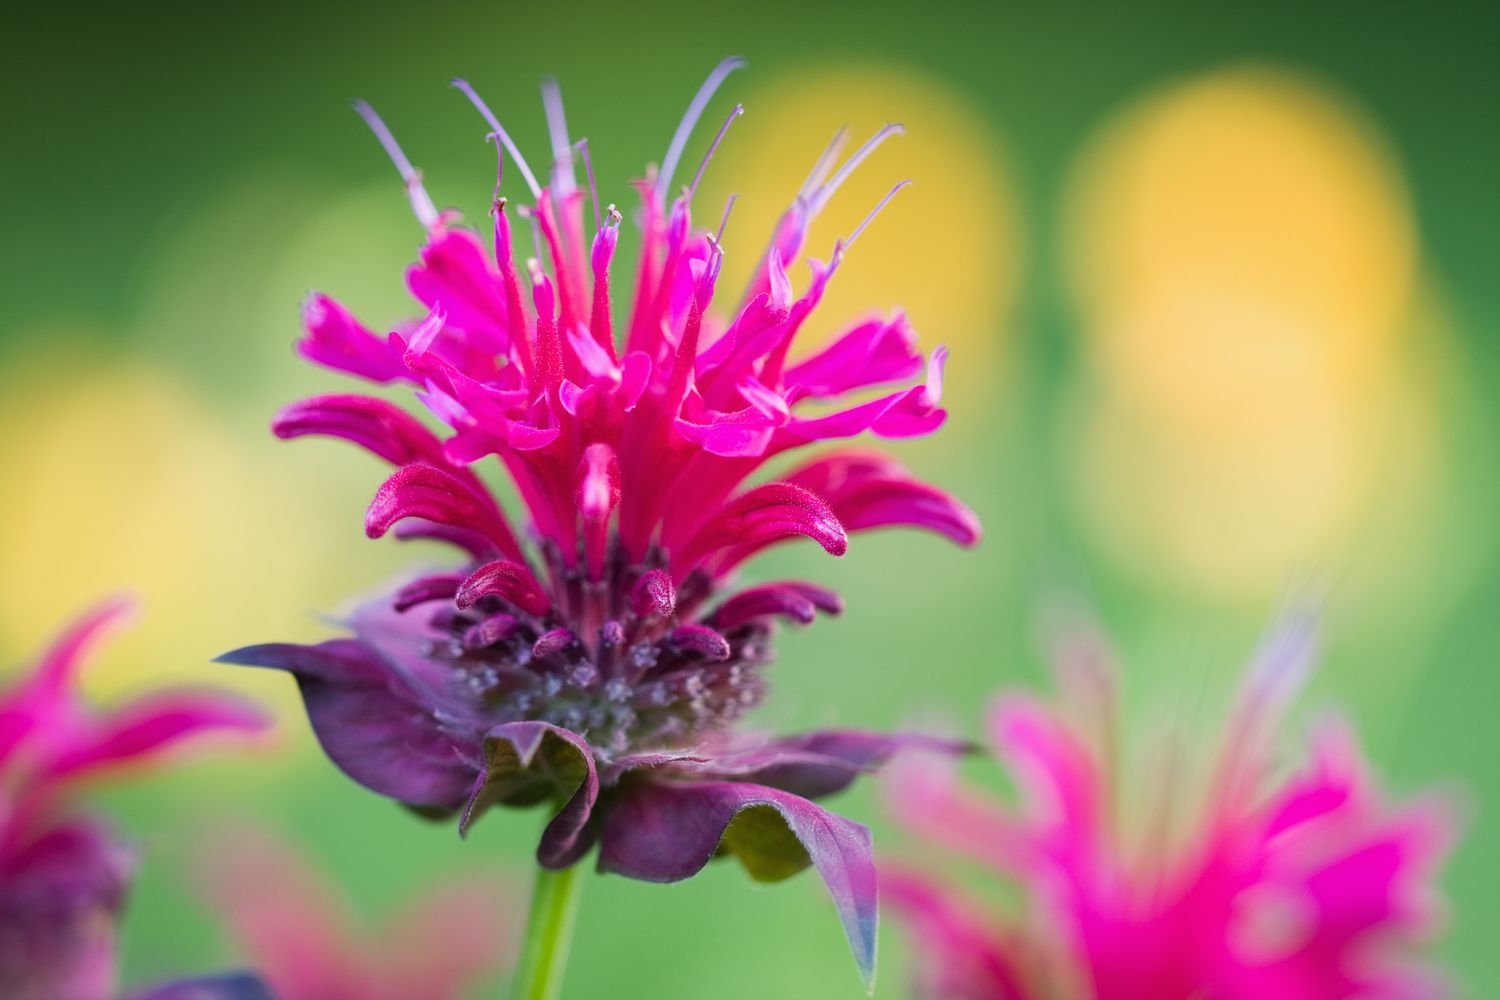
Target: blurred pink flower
{"x":63,"y":878}
{"x":293,"y":928}
{"x":1307,"y":886}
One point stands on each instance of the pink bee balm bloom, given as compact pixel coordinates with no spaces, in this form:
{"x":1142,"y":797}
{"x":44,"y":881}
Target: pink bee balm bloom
{"x":1307,"y":885}
{"x":301,"y":937}
{"x":599,"y":658}
{"x":63,"y":879}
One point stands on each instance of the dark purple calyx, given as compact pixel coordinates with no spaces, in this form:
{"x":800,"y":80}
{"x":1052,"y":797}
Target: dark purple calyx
{"x":615,"y":660}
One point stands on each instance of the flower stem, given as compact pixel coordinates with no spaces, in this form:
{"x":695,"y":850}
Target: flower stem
{"x":549,"y":933}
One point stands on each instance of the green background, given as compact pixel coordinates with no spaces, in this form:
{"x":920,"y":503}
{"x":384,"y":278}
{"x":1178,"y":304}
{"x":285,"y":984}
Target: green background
{"x":124,"y":125}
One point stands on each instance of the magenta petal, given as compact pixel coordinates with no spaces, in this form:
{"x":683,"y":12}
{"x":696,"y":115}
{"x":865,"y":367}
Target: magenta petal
{"x":666,"y":831}
{"x":654,"y":595}
{"x":375,"y":425}
{"x":440,"y":495}
{"x":49,"y":691}
{"x":962,"y":952}
{"x":151,"y":726}
{"x":799,"y":602}
{"x":876,"y":351}
{"x":455,"y":275}
{"x":868,"y":490}
{"x":760,"y":517}
{"x":335,"y":339}
{"x":508,"y":580}
{"x":382,"y":727}
{"x":533,"y":761}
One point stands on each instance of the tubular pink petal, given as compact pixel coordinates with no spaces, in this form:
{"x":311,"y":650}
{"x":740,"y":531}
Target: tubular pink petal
{"x":554,"y":641}
{"x":426,"y":590}
{"x":335,"y":339}
{"x":60,"y":664}
{"x":480,"y":548}
{"x":602,"y":254}
{"x":380,"y":428}
{"x":508,"y":580}
{"x":700,"y":640}
{"x":769,"y":601}
{"x":654,"y":595}
{"x":151,"y":726}
{"x":491,"y":630}
{"x":421,"y":204}
{"x":759,"y":517}
{"x":597,"y":494}
{"x":436,"y":494}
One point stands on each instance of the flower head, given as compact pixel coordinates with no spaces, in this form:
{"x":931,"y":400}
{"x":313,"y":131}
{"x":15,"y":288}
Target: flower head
{"x":599,"y":658}
{"x":1306,"y":886}
{"x":64,"y":878}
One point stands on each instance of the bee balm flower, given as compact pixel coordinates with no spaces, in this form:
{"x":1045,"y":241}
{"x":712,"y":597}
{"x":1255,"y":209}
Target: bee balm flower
{"x":600,"y":657}
{"x":63,"y":878}
{"x":1306,"y":886}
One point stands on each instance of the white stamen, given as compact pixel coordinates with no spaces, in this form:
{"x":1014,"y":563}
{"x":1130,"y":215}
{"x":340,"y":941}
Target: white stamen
{"x":557,"y":128}
{"x":825,"y":162}
{"x":582,"y":146}
{"x":739,"y":109}
{"x":821,"y":196}
{"x":690,"y":120}
{"x":879,"y":207}
{"x":499,"y":130}
{"x":421,"y":205}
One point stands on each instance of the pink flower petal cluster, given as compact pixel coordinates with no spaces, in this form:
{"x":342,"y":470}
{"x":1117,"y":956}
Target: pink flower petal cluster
{"x":1308,"y":885}
{"x":596,"y":654}
{"x":64,"y":877}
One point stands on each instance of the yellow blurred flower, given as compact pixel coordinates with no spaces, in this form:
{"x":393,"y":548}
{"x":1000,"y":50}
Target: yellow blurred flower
{"x":946,"y":249}
{"x":127,"y":480}
{"x":1259,"y":391}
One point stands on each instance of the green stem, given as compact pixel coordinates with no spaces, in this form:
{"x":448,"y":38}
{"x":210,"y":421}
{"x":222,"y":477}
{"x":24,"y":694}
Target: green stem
{"x":549,"y":933}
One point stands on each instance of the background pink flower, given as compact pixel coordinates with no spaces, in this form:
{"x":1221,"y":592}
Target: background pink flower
{"x":64,"y":878}
{"x":1306,"y":885}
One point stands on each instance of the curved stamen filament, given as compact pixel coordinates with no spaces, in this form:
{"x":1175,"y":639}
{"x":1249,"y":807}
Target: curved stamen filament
{"x":848,"y":242}
{"x":825,"y":163}
{"x":494,"y":123}
{"x":582,"y":146}
{"x":820,"y":197}
{"x":421,"y":205}
{"x":557,"y":129}
{"x":724,"y":219}
{"x":739,"y":109}
{"x":689,"y":120}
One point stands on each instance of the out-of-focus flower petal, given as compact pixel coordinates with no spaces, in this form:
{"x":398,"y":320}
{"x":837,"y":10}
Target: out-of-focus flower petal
{"x":152,"y":726}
